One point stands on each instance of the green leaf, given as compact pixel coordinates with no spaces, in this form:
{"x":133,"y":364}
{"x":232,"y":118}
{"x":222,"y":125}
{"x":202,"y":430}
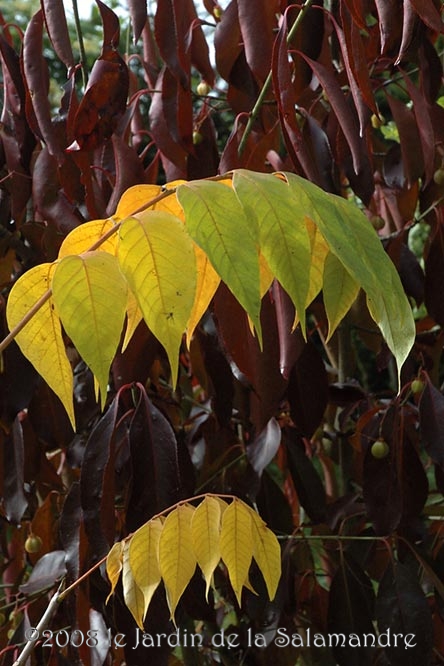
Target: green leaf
{"x":339,"y":291}
{"x":217,"y":222}
{"x":353,"y":240}
{"x":157,"y":258}
{"x":90,"y":295}
{"x":283,"y":235}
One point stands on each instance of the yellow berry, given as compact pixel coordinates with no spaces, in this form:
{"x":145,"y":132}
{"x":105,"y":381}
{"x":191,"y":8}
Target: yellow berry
{"x":203,"y":88}
{"x":377,"y":120}
{"x":33,"y":544}
{"x":379,"y":449}
{"x":217,"y":12}
{"x":417,"y":386}
{"x":377,"y":222}
{"x":438,"y":176}
{"x":197,"y":138}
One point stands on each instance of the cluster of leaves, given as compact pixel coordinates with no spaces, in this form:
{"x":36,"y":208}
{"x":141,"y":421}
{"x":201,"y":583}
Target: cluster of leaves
{"x":345,"y":95}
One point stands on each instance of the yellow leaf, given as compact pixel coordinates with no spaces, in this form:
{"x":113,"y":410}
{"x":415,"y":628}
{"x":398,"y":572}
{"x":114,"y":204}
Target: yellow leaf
{"x":177,"y":561}
{"x":144,"y":559}
{"x":236,"y":544}
{"x":41,"y":339}
{"x":157,"y":257}
{"x":132,"y":594}
{"x":83,"y":237}
{"x":114,"y":565}
{"x":319,"y":252}
{"x":133,"y":318}
{"x":207,"y":283}
{"x":90,"y":295}
{"x":267,"y":554}
{"x":266,"y":275}
{"x":205,"y":527}
{"x":340,"y":291}
{"x":134,"y":198}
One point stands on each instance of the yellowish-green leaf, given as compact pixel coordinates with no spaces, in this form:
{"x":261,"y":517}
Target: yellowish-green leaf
{"x":207,"y":284}
{"x":134,"y":198}
{"x":205,"y":527}
{"x":143,"y":556}
{"x":319,"y":252}
{"x":352,"y":239}
{"x":177,"y":561}
{"x":90,"y":295}
{"x":217,"y":222}
{"x":41,"y":339}
{"x":236,"y":544}
{"x":114,"y":565}
{"x":85,"y":236}
{"x":132,"y":594}
{"x":340,"y":291}
{"x":267,"y":554}
{"x":157,"y":258}
{"x":283,"y":235}
{"x":133,"y":318}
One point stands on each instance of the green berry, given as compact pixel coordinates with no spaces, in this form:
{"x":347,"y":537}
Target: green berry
{"x":380,"y":449}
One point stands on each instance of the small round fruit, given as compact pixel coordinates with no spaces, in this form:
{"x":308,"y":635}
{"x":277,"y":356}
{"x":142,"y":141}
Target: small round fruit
{"x":203,"y":88}
{"x":377,"y":222}
{"x":380,"y":449}
{"x":417,"y":386}
{"x":438,"y":176}
{"x":217,"y":12}
{"x":33,"y":544}
{"x":197,"y":138}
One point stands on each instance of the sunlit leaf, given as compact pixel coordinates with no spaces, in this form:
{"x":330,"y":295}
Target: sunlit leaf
{"x":207,"y":284}
{"x":114,"y":565}
{"x":41,"y":339}
{"x":283,"y":235}
{"x":267,"y":554}
{"x":177,"y":561}
{"x":217,"y":223}
{"x":85,"y":236}
{"x":157,"y":258}
{"x":143,"y":557}
{"x":205,"y":527}
{"x":133,"y":318}
{"x":340,"y":291}
{"x":236,"y":544}
{"x":90,"y":295}
{"x":134,"y":198}
{"x":133,"y":595}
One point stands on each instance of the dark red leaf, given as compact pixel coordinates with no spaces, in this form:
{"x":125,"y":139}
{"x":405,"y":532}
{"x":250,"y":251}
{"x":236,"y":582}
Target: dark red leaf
{"x":138,"y":13}
{"x":200,"y":53}
{"x":103,"y":103}
{"x":129,"y":171}
{"x":111,"y":27}
{"x":291,"y":343}
{"x":409,"y":268}
{"x":150,"y":56}
{"x":412,"y":158}
{"x":219,"y":373}
{"x":258,"y":18}
{"x":49,"y":569}
{"x":434,"y":275}
{"x":389,"y":23}
{"x":57,"y":27}
{"x":429,"y":14}
{"x":97,"y":484}
{"x":431,"y":71}
{"x":431,"y":420}
{"x":410,"y":22}
{"x":308,"y":390}
{"x":227,"y":41}
{"x":35,"y":74}
{"x":425,"y":127}
{"x":351,"y":611}
{"x":402,"y":608}
{"x":170,"y":29}
{"x":155,"y":480}
{"x":273,"y":506}
{"x":14,"y":500}
{"x":306,"y":480}
{"x":69,"y":531}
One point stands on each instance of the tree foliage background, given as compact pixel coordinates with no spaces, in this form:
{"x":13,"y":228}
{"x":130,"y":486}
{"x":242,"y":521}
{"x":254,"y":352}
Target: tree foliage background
{"x":347,"y":95}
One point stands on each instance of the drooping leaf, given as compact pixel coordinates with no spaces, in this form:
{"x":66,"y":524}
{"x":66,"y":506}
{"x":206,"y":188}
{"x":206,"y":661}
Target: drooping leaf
{"x":267,"y":554}
{"x":339,"y":291}
{"x":177,"y":561}
{"x":143,"y":555}
{"x":356,"y":245}
{"x":236,"y":544}
{"x":14,"y":497}
{"x":431,"y":420}
{"x":217,"y":223}
{"x":157,"y":258}
{"x":90,"y":295}
{"x":133,"y":595}
{"x":205,"y":526}
{"x":41,"y":340}
{"x":55,"y":19}
{"x":48,"y":569}
{"x":283,"y":235}
{"x":264,"y":447}
{"x":114,"y":565}
{"x":308,"y":390}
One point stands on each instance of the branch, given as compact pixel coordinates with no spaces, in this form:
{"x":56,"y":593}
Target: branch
{"x":261,"y":98}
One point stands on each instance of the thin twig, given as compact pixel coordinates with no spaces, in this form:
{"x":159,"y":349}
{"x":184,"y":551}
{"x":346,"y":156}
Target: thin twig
{"x":75,"y":10}
{"x":263,"y":93}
